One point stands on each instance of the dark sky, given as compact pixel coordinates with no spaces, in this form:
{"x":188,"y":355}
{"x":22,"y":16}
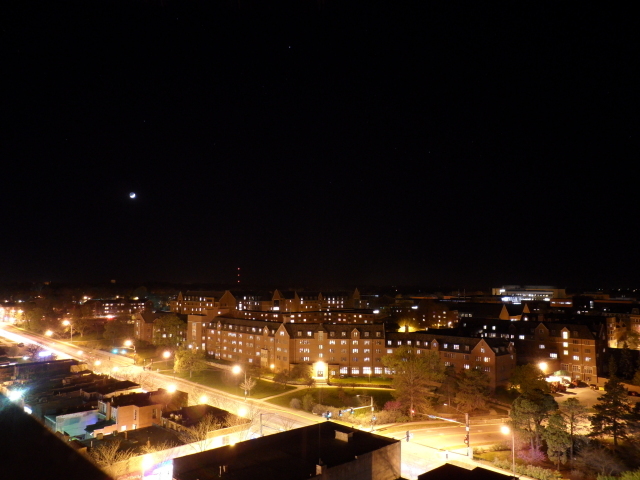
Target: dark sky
{"x":319,"y":143}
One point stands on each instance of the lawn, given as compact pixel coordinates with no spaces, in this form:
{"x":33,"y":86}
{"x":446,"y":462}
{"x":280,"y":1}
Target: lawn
{"x":337,"y":397}
{"x":349,"y":381}
{"x":228,"y":383}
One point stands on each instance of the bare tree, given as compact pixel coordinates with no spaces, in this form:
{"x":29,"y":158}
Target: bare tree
{"x":110,"y":458}
{"x":287,"y":423}
{"x":198,"y":435}
{"x":249,"y":385}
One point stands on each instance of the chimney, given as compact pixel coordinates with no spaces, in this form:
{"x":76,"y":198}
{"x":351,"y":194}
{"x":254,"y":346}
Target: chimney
{"x":343,"y":436}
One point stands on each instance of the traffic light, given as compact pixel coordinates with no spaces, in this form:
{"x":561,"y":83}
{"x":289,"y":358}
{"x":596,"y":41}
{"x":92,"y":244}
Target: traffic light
{"x":466,"y":439}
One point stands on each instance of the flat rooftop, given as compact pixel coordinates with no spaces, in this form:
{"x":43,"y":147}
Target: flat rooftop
{"x":290,"y":455}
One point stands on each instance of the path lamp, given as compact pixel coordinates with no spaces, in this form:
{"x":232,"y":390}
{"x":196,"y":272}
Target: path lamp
{"x":506,"y":430}
{"x":372,"y":416}
{"x":236,"y":370}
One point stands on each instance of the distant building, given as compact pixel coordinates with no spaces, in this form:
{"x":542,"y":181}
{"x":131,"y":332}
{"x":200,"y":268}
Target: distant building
{"x":519,"y":294}
{"x":326,"y":451}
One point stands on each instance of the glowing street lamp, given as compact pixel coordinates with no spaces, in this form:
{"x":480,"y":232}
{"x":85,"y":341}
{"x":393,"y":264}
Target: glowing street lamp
{"x":236,"y":370}
{"x":48,"y":333}
{"x":166,"y":354}
{"x":67,"y":323}
{"x":130,"y":344}
{"x":506,"y":430}
{"x":543,"y":367}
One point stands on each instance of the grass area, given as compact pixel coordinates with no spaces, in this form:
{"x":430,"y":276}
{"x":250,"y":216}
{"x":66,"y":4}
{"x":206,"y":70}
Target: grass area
{"x":225,"y":382}
{"x":348,"y":381}
{"x":337,"y":397}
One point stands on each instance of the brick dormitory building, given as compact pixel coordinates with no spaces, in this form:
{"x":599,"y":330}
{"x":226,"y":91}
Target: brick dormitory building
{"x":330,"y":332}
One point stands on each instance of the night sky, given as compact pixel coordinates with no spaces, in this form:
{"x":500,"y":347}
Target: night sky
{"x":319,"y":143}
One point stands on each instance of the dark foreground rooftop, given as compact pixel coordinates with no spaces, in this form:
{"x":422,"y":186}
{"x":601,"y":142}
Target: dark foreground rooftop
{"x":448,"y":472}
{"x":290,"y":455}
{"x":30,"y":451}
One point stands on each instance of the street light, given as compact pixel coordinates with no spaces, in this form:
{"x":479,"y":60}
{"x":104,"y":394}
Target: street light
{"x":67,"y":323}
{"x":166,"y":354}
{"x":130,"y":344}
{"x":236,"y":370}
{"x":48,"y":333}
{"x":506,"y":430}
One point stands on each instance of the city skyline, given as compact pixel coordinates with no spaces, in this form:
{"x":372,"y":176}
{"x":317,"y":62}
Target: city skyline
{"x":319,"y":144}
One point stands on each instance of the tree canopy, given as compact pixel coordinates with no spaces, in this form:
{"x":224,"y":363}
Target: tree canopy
{"x":528,"y":378}
{"x":414,"y":376}
{"x":167,"y":330}
{"x":189,"y":360}
{"x":473,"y":390}
{"x":613,"y":412}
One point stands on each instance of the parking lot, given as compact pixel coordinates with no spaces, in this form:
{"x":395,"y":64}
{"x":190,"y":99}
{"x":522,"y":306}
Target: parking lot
{"x":589,"y":397}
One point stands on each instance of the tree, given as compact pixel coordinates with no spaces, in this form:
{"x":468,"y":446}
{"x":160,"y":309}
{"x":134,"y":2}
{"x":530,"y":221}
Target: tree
{"x":449,"y":386}
{"x":198,"y":435}
{"x":626,"y":368}
{"x":473,"y":390}
{"x":34,"y":319}
{"x":248,"y":385}
{"x":599,"y":459}
{"x":528,"y":412}
{"x":575,"y":415}
{"x":282,"y":378}
{"x":167,"y":330}
{"x":633,"y":339}
{"x":109,"y":457}
{"x":117,"y":330}
{"x":33,"y":349}
{"x":528,"y":378}
{"x":557,"y":438}
{"x":301,"y":371}
{"x":189,"y":360}
{"x":613,"y":412}
{"x":414,"y":376}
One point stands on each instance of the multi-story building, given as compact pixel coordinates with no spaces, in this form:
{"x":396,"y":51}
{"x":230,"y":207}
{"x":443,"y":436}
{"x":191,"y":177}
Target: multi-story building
{"x":349,"y":350}
{"x":135,"y":410}
{"x":574,"y":348}
{"x":118,"y":306}
{"x":495,"y":357}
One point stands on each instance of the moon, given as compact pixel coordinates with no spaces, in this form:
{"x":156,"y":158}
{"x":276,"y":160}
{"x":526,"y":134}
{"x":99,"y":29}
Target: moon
{"x":132,"y":195}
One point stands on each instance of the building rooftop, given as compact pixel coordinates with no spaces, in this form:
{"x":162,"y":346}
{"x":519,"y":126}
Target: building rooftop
{"x":30,"y":450}
{"x":189,"y":416}
{"x":289,"y":455}
{"x":449,"y":471}
{"x":137,"y":439}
